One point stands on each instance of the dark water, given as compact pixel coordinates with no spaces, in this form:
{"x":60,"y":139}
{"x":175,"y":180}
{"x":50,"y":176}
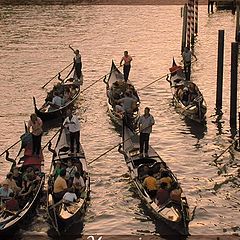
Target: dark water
{"x":34,"y":47}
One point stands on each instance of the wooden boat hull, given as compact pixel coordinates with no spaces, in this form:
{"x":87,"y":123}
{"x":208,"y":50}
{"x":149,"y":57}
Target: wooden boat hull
{"x":175,"y":215}
{"x":63,"y":217}
{"x":116,"y":75}
{"x":9,"y":225}
{"x":58,"y":114}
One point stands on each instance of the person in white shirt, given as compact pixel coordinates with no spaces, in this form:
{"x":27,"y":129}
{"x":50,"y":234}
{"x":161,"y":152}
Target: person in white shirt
{"x":78,"y":183}
{"x":70,"y":170}
{"x":72,"y":123}
{"x":56,"y":103}
{"x":146,"y":121}
{"x":5,"y":191}
{"x":70,"y":196}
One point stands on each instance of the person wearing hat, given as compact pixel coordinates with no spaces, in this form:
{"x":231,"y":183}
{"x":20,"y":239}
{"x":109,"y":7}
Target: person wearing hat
{"x":185,"y":96}
{"x":5,"y":191}
{"x":36,"y":124}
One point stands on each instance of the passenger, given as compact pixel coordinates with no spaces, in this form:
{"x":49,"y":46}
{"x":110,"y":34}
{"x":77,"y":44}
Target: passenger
{"x":57,"y":169}
{"x":17,"y":176}
{"x":11,"y":183}
{"x":70,"y":172}
{"x":119,"y":110}
{"x":176,"y":192}
{"x":70,"y":196}
{"x":78,"y":184}
{"x":60,"y":186}
{"x":12,"y":204}
{"x":67,"y":95}
{"x":128,"y":103}
{"x":166,"y":178}
{"x":29,"y":172}
{"x":28,"y":186}
{"x":144,"y":173}
{"x":5,"y":191}
{"x":162,"y":194}
{"x":36,"y":124}
{"x":185,"y":96}
{"x":56,"y":103}
{"x":150,"y":183}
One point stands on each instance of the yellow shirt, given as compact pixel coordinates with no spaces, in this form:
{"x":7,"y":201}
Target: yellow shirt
{"x":60,"y":184}
{"x":150,"y":183}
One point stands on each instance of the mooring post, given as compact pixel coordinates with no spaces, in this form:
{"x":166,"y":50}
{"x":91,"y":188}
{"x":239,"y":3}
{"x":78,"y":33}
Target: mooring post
{"x":237,"y":25}
{"x":184,"y":28}
{"x":220,"y":71}
{"x":233,"y":98}
{"x":196,"y":17}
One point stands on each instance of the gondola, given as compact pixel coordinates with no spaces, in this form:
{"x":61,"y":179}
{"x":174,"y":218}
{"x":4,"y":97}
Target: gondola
{"x":46,"y":113}
{"x":11,"y":220}
{"x":64,"y":215}
{"x":116,"y":77}
{"x":195,"y":108}
{"x":174,"y":214}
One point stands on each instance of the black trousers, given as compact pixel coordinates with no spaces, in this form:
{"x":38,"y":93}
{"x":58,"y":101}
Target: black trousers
{"x":144,"y":142}
{"x":78,"y":69}
{"x":187,"y":69}
{"x":36,"y":144}
{"x":75,"y":137}
{"x":126,"y":70}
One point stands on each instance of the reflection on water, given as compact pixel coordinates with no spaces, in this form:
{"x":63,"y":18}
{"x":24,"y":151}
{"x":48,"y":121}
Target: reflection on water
{"x":34,"y":46}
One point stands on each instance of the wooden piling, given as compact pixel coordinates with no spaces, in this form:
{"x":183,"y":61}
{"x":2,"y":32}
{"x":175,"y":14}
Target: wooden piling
{"x":220,"y":71}
{"x":237,"y":24}
{"x":196,"y":17}
{"x":184,"y":28}
{"x":192,"y":22}
{"x":233,"y":98}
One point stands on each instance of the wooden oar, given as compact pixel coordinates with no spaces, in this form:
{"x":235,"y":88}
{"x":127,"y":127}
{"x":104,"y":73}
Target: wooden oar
{"x":51,"y":138}
{"x":57,"y":75}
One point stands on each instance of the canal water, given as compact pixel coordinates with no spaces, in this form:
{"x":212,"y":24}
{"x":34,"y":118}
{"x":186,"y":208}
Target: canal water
{"x":34,"y":43}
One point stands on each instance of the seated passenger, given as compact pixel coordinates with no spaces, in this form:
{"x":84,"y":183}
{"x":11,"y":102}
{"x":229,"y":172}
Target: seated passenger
{"x":57,"y":169}
{"x":12,"y":184}
{"x":185,"y":96}
{"x":70,"y":196}
{"x":5,"y":191}
{"x":56,"y":103}
{"x":28,"y":185}
{"x":12,"y":204}
{"x":78,"y":184}
{"x":176,"y":192}
{"x":17,"y":176}
{"x":162,"y":195}
{"x":144,"y":173}
{"x":67,"y":95}
{"x":166,"y":178}
{"x":70,"y":172}
{"x":60,"y":186}
{"x":150,"y":183}
{"x":129,"y":104}
{"x":119,"y":110}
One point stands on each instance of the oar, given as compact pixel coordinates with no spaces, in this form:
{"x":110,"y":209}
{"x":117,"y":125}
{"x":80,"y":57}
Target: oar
{"x":51,"y":138}
{"x":56,"y":75}
{"x":10,"y":147}
{"x":224,"y":151}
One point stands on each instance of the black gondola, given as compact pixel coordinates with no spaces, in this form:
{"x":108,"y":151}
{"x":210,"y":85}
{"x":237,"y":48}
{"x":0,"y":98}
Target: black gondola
{"x":116,"y":81}
{"x":11,"y":220}
{"x":46,"y":113}
{"x":174,"y":214}
{"x":195,"y":107}
{"x":63,"y":215}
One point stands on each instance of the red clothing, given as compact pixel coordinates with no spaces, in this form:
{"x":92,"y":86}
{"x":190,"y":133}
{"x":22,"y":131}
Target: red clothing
{"x":162,"y":196}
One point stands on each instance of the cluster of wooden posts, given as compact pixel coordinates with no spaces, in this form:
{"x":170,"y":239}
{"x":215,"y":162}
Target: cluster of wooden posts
{"x":190,"y":23}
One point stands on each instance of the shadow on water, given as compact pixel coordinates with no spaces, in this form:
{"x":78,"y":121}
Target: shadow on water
{"x":198,"y":130}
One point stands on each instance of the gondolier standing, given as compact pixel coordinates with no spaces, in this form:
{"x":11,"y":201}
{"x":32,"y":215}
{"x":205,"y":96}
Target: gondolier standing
{"x":146,"y":121}
{"x":36,"y":124}
{"x":127,"y":65}
{"x":77,"y":66}
{"x":73,"y":125}
{"x":187,"y":58}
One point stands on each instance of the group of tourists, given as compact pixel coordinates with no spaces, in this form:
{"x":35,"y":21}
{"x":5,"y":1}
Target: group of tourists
{"x":18,"y":187}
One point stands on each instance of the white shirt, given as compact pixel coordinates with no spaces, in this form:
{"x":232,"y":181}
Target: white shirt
{"x":71,"y":197}
{"x":145,"y":124}
{"x":73,"y":124}
{"x":70,"y":172}
{"x":57,"y":101}
{"x":4,"y":192}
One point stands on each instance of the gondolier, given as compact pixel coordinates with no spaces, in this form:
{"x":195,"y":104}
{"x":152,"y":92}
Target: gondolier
{"x":187,"y":58}
{"x":127,"y":65}
{"x":73,"y":125}
{"x":146,"y":121}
